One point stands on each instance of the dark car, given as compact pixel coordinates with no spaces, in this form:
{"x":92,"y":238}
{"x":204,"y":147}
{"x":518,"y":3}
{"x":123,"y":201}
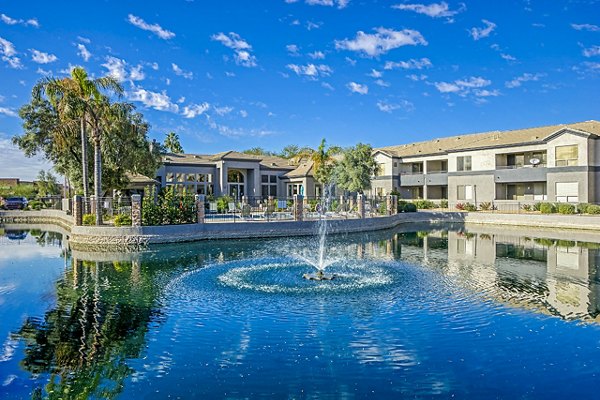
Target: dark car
{"x":15,"y":203}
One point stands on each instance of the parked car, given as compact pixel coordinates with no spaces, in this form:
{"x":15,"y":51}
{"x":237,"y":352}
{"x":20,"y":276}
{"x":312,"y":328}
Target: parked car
{"x":15,"y":203}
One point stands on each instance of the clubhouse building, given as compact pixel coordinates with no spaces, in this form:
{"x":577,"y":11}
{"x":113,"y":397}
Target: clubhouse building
{"x":559,"y":163}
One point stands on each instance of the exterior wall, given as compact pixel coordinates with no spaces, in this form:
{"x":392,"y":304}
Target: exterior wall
{"x":484,"y":187}
{"x":569,"y":174}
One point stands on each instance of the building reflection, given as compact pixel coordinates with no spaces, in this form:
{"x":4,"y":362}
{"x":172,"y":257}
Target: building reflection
{"x":550,"y":275}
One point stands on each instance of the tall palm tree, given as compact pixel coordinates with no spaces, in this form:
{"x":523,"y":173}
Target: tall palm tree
{"x":75,"y":97}
{"x":323,"y":160}
{"x":172,"y":143}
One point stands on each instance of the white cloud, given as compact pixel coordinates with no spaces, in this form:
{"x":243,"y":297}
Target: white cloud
{"x":310,"y":25}
{"x":84,"y":39}
{"x":381,"y":42}
{"x":508,"y":57}
{"x":240,"y":47}
{"x":416,"y":78}
{"x":391,"y":107}
{"x":8,"y":112}
{"x":43,"y":72}
{"x":434,"y":10}
{"x":486,"y":93}
{"x":357,"y":88}
{"x":13,"y":162}
{"x":350,"y":61}
{"x":410,"y":64}
{"x":179,"y":72}
{"x":121,"y":71}
{"x":154,"y":66}
{"x":8,"y":53}
{"x":42,"y":58}
{"x":158,"y":101}
{"x":193,"y":110}
{"x":327,"y":86}
{"x":463,"y":87}
{"x":317,"y":55}
{"x":375,"y":74}
{"x":310,"y":70}
{"x":11,"y":21}
{"x":83,"y":52}
{"x":592,"y":51}
{"x":480,"y":33}
{"x":586,"y":27}
{"x":328,"y":3}
{"x":382,"y":83}
{"x":244,"y":113}
{"x":518,"y":81}
{"x":293,"y":50}
{"x":223,"y":110}
{"x":154,"y":28}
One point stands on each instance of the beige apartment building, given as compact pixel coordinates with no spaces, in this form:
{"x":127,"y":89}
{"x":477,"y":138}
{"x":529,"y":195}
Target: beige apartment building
{"x":559,"y":163}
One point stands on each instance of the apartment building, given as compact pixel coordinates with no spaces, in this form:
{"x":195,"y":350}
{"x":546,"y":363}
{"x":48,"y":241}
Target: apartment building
{"x":559,"y":163}
{"x":237,"y":174}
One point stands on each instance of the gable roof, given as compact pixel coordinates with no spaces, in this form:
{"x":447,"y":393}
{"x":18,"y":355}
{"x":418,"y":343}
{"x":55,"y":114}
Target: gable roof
{"x":489,"y":139}
{"x":208,"y":159}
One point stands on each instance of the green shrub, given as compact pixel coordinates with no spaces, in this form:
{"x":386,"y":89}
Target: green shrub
{"x":470,"y":207}
{"x":526,"y":207}
{"x":424,"y":204}
{"x":35,"y":205}
{"x":409,"y":207}
{"x":444,"y":204}
{"x":583,"y":208}
{"x":122,"y":220}
{"x":547,"y":208}
{"x":401,"y":204}
{"x":89,"y":219}
{"x":566,"y":208}
{"x":486,"y":206}
{"x":537,"y":206}
{"x":593,"y":209}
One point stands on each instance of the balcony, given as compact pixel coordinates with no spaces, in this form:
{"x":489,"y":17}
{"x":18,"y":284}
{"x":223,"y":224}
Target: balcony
{"x":437,"y":178}
{"x":412,"y":179}
{"x":521,"y":174}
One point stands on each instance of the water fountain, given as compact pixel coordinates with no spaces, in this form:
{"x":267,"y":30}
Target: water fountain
{"x":320,"y":265}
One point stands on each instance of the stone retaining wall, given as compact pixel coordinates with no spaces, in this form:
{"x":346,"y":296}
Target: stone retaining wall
{"x":114,"y":238}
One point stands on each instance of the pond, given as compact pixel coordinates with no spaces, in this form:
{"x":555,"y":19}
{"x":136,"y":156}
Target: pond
{"x":437,"y":312}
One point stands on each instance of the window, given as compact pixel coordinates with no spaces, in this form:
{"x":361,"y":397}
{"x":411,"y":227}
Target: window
{"x":235,"y":176}
{"x":464,"y":192}
{"x":269,"y":185}
{"x":566,"y":155}
{"x":295,"y":188}
{"x":567,"y":192}
{"x":463,"y":163}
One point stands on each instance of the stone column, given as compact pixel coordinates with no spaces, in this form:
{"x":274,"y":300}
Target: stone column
{"x":78,"y":210}
{"x":360,"y":198}
{"x":389,"y":200}
{"x":200,"y":210}
{"x":244,"y":201}
{"x":342,"y":203}
{"x":298,"y":207}
{"x":92,"y":208}
{"x":136,"y":210}
{"x":395,"y":204}
{"x":351,"y":203}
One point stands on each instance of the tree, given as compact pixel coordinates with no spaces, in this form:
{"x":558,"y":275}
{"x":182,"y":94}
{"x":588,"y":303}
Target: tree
{"x":357,"y":167}
{"x":172,"y":143}
{"x":74,"y":98}
{"x":258,"y":151}
{"x":323,"y":161}
{"x":292,"y":151}
{"x":52,"y":122}
{"x":47,"y":185}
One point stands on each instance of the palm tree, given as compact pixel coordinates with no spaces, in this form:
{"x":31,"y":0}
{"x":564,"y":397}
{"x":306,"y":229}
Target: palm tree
{"x":323,"y":160}
{"x":75,"y":97}
{"x":172,"y":143}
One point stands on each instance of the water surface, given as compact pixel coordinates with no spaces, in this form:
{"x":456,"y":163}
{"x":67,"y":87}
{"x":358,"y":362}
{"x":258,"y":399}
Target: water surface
{"x":434,"y":313}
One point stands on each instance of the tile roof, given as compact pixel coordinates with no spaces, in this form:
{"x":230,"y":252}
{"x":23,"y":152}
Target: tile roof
{"x":487,"y":139}
{"x":266,"y":161}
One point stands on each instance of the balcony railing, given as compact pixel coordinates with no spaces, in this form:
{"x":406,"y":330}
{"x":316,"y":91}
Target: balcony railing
{"x":516,"y":166}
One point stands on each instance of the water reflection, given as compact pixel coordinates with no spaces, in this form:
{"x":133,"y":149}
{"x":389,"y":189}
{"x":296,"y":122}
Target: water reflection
{"x":119,"y":319}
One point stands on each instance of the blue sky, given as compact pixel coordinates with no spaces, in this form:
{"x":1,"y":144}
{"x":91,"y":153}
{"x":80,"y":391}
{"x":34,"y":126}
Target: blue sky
{"x":238,"y":74}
